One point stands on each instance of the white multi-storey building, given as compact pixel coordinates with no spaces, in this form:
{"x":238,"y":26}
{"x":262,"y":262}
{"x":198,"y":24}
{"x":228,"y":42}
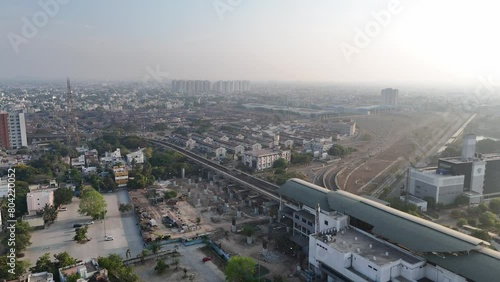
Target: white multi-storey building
{"x":352,"y":238}
{"x":37,"y":199}
{"x":13,"y":130}
{"x":344,"y":127}
{"x":264,"y":159}
{"x":444,"y":188}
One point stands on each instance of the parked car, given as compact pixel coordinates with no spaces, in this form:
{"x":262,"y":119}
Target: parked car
{"x":77,"y":225}
{"x":205,"y":259}
{"x":63,"y":209}
{"x":109,"y":238}
{"x":89,"y":222}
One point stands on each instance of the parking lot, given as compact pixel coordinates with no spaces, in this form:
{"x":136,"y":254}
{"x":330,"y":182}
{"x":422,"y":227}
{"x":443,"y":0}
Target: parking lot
{"x":58,"y":237}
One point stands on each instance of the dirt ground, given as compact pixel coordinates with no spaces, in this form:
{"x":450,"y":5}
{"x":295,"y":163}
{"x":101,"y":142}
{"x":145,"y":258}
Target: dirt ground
{"x":393,"y":136}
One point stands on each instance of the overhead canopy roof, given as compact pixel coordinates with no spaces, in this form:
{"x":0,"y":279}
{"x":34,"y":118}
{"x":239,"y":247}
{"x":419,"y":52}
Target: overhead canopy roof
{"x":463,"y":254}
{"x":476,"y":266}
{"x":412,"y":232}
{"x":305,"y":193}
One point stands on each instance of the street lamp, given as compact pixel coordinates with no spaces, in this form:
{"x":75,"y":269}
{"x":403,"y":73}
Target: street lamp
{"x":104,"y":221}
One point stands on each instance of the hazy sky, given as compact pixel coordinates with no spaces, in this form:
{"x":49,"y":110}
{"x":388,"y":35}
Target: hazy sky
{"x":445,"y":41}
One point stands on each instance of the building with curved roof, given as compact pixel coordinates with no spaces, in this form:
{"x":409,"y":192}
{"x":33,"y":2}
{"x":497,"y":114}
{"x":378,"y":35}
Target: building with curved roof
{"x":379,"y":243}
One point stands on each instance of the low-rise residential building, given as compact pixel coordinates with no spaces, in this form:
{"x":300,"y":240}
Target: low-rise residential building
{"x":264,"y":159}
{"x":120,"y":174}
{"x":78,"y":162}
{"x":41,"y":277}
{"x":37,"y":199}
{"x":4,"y":187}
{"x":220,"y":152}
{"x":319,"y":147}
{"x":137,"y":156}
{"x":89,"y":271}
{"x":91,"y":157}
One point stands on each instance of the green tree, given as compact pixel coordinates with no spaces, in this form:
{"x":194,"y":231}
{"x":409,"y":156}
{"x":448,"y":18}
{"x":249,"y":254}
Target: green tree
{"x":431,"y":202}
{"x":81,"y":234}
{"x":125,"y":207}
{"x":92,"y":204}
{"x":21,"y":266}
{"x":22,"y":189}
{"x":471,"y":222}
{"x":73,"y":277}
{"x":482,"y":208}
{"x":23,"y":236}
{"x":25,"y":173}
{"x":240,"y":269}
{"x":481,"y":234}
{"x":280,"y":164}
{"x":461,"y":222}
{"x":461,"y":200}
{"x":62,"y":196}
{"x":138,"y":182}
{"x":175,"y":262}
{"x":49,"y":214}
{"x":161,"y":266}
{"x":338,"y":151}
{"x":301,"y":158}
{"x":143,"y":254}
{"x":155,"y":248}
{"x":487,"y":219}
{"x":43,"y":264}
{"x":64,"y":259}
{"x":495,"y":205}
{"x":116,"y":270}
{"x":170,"y":194}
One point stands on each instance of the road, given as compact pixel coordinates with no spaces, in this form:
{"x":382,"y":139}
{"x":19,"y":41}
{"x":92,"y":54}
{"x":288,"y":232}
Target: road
{"x":58,"y":237}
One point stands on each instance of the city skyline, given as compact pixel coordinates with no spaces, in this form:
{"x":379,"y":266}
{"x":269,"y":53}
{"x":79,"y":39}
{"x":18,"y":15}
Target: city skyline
{"x":258,"y":41}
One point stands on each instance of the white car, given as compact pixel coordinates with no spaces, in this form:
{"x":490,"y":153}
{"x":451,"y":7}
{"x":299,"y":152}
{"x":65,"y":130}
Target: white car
{"x":109,"y":238}
{"x":89,"y":222}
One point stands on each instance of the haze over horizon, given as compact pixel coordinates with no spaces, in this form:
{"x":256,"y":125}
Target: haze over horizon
{"x":446,"y":43}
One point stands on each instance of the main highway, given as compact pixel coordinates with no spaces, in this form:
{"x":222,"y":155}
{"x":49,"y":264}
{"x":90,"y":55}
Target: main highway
{"x":258,"y":185}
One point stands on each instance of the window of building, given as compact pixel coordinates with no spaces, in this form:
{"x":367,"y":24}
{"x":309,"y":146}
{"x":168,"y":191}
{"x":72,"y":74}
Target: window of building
{"x":304,"y":220}
{"x":296,"y":216}
{"x":326,"y":222}
{"x":309,"y":223}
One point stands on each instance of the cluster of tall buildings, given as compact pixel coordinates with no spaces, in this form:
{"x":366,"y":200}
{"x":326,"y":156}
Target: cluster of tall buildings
{"x":390,"y":97}
{"x":203,"y":86}
{"x":191,"y":86}
{"x":231,"y":86}
{"x":12,"y":130}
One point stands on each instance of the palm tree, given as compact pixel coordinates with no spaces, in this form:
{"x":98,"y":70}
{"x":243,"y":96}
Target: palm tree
{"x":176,"y":263}
{"x":155,"y":248}
{"x":143,"y":254}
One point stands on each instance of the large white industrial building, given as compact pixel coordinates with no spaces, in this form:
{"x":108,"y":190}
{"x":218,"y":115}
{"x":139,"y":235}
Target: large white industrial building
{"x":358,"y":239}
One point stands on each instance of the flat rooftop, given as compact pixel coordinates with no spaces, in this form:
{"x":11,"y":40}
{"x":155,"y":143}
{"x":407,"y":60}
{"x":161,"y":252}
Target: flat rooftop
{"x":73,"y":269}
{"x":263,"y":152}
{"x":352,"y":240}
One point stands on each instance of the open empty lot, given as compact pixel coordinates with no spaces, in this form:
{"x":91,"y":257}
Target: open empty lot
{"x":58,"y":237}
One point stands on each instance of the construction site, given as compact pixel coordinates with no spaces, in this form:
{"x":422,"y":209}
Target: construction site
{"x":237,"y":220}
